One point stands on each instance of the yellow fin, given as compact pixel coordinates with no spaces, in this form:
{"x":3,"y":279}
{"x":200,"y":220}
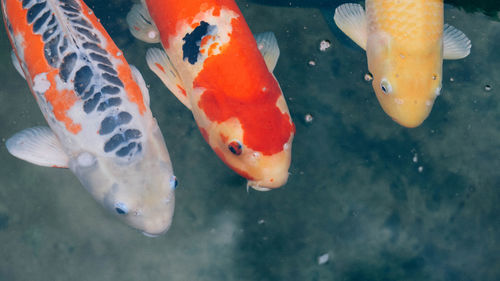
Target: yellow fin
{"x":141,"y":24}
{"x":161,"y":65}
{"x":351,"y":19}
{"x":456,"y":45}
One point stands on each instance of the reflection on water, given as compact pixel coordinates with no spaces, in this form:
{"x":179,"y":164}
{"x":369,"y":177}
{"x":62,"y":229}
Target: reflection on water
{"x":384,"y":202}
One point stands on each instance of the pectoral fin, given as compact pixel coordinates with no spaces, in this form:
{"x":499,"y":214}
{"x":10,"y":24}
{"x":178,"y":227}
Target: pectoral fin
{"x":456,"y":45}
{"x":161,"y":65}
{"x":136,"y":74}
{"x":268,"y":47}
{"x":141,"y":24}
{"x":351,"y":19}
{"x":16,"y":64}
{"x":38,"y":145}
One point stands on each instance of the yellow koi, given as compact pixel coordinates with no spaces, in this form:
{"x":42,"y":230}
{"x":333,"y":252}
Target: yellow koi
{"x":405,"y":42}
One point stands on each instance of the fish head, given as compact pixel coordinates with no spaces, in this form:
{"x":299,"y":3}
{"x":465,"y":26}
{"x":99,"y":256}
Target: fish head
{"x":263,"y":171}
{"x":253,"y":137}
{"x":139,"y":190}
{"x":406,"y":83}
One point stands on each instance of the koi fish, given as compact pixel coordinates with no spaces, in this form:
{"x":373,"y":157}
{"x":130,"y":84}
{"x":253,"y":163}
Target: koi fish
{"x":405,"y":43}
{"x":97,"y":108}
{"x":212,"y":64}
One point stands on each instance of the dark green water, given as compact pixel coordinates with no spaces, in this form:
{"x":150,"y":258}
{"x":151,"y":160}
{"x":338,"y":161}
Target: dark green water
{"x":384,"y":202}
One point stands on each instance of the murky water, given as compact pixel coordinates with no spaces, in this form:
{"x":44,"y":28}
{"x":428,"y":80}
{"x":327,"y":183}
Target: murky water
{"x":384,"y":202}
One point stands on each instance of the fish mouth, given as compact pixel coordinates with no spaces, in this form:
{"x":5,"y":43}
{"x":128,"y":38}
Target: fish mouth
{"x":255,"y":185}
{"x":153,"y":235}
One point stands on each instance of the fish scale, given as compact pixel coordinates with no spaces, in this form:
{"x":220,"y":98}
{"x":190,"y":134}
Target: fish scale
{"x":407,"y":21}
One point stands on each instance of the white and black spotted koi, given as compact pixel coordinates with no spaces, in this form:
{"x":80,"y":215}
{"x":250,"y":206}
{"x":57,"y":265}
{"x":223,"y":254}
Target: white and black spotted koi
{"x":97,"y":107}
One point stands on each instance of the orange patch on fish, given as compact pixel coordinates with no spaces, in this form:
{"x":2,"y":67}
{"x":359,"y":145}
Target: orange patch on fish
{"x":160,"y":67}
{"x":62,"y":101}
{"x":212,"y":48}
{"x":182,"y":90}
{"x":252,"y":100}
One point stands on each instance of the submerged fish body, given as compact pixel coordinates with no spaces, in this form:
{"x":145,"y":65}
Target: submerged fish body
{"x":213,"y":65}
{"x":97,"y":107}
{"x":405,"y":43}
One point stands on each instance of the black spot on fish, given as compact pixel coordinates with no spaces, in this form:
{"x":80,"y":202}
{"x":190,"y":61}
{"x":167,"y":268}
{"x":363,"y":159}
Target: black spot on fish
{"x":124,"y":151}
{"x":82,"y":22}
{"x":52,"y":20}
{"x":71,"y":15}
{"x":94,"y":47}
{"x":70,"y":3}
{"x":111,"y":122}
{"x":109,"y":103}
{"x":88,"y":93}
{"x":49,"y":32}
{"x":87,"y":33}
{"x":191,"y":47}
{"x":82,"y":79}
{"x":107,"y":68}
{"x":90,"y":104}
{"x":64,"y":45}
{"x":69,"y":9}
{"x":40,"y":21}
{"x":34,"y":11}
{"x":131,"y":134}
{"x":113,"y":142}
{"x":110,"y":90}
{"x":50,"y":51}
{"x":67,"y":66}
{"x":26,"y":3}
{"x":99,"y":58}
{"x":113,"y":79}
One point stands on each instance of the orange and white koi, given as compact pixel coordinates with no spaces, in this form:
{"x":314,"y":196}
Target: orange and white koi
{"x":212,"y":64}
{"x":97,"y":108}
{"x":405,"y":43}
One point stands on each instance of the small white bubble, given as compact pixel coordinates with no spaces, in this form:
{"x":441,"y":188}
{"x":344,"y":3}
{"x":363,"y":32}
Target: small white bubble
{"x":308,"y":118}
{"x":261,"y":221}
{"x":420,"y":169}
{"x":119,"y":53}
{"x":324,"y":45}
{"x":487,"y":88}
{"x":152,"y":34}
{"x":312,"y":63}
{"x":323,"y":259}
{"x":415,"y":158}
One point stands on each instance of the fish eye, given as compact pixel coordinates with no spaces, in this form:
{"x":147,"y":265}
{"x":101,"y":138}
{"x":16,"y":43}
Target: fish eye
{"x":385,"y":86}
{"x":235,"y":147}
{"x":121,"y":208}
{"x":173,"y":182}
